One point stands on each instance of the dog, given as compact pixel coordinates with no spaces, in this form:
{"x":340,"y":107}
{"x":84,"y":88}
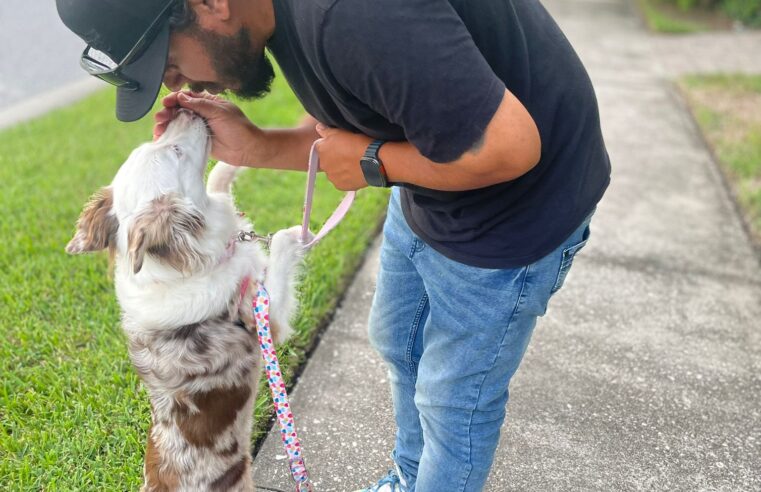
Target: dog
{"x":182,"y":281}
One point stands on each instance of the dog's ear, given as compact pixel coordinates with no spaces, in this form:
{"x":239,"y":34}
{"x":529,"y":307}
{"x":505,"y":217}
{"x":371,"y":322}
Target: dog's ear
{"x":97,"y":225}
{"x":166,"y":229}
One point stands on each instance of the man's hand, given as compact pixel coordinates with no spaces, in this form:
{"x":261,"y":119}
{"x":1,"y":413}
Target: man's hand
{"x":340,"y":152}
{"x":233,"y":135}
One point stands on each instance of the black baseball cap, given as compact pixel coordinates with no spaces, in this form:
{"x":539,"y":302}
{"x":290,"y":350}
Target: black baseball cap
{"x":127,"y":46}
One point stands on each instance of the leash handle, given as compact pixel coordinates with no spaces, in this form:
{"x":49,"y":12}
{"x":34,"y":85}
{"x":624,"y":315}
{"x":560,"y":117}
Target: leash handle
{"x":291,"y":443}
{"x":338,"y":214}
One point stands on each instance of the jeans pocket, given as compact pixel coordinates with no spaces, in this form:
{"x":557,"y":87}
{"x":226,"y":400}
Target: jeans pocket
{"x":567,"y":260}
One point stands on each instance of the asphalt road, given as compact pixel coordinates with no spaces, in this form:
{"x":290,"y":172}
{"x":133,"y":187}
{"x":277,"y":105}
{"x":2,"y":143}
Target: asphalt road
{"x":37,"y":52}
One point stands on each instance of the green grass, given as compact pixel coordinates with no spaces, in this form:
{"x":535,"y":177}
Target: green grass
{"x":723,"y":107}
{"x":660,"y":20}
{"x":72,"y":411}
{"x":730,"y":83}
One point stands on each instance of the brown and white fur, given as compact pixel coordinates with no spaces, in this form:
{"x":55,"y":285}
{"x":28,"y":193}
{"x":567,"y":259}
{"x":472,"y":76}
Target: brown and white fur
{"x":191,"y":339}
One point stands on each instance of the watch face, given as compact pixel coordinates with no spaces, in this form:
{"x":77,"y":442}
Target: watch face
{"x":371,"y":169}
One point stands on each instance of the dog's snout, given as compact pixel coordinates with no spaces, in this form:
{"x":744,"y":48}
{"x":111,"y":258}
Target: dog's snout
{"x":191,"y":117}
{"x":187,"y":113}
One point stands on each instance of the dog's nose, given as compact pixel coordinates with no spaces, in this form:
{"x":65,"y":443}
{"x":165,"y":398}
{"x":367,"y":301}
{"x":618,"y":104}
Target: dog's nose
{"x":187,"y":112}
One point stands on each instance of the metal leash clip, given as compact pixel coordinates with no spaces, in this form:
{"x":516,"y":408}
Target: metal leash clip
{"x":246,"y":236}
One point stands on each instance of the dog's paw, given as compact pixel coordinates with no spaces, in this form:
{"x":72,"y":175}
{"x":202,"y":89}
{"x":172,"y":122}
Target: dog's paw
{"x":309,"y":236}
{"x":289,"y":240}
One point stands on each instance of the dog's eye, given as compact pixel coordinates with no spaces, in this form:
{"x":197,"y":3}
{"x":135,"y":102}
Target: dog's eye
{"x":177,"y":150}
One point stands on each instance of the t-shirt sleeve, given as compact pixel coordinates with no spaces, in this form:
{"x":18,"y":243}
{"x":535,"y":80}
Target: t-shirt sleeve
{"x":415,"y":63}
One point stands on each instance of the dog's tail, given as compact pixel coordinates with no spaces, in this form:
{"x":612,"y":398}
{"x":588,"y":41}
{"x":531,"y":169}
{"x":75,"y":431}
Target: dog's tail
{"x":221,"y":178}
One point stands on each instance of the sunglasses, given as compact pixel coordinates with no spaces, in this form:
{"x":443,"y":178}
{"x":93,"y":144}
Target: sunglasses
{"x":101,"y":65}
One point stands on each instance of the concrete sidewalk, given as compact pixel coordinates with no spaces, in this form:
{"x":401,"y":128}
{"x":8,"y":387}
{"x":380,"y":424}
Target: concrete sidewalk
{"x":645,"y":373}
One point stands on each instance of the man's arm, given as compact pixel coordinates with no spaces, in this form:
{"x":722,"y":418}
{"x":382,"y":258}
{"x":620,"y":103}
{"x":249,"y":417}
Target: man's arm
{"x":415,"y":63}
{"x":286,"y":148}
{"x":510,"y":147}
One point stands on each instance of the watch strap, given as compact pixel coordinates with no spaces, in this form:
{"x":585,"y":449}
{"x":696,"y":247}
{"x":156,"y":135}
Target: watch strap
{"x":373,"y":149}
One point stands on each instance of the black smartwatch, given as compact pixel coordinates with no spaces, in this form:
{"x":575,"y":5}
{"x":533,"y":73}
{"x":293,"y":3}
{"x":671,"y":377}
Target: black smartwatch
{"x":372,"y":167}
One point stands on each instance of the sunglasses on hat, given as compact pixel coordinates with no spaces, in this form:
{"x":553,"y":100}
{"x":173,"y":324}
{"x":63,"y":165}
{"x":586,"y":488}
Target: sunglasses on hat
{"x":101,"y":65}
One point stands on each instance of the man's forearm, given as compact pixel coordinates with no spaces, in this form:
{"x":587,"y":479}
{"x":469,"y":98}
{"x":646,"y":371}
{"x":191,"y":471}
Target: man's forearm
{"x":283,"y":148}
{"x":404,"y":164}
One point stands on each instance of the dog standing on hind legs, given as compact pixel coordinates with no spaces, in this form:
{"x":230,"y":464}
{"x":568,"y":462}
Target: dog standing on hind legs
{"x":181,"y":278}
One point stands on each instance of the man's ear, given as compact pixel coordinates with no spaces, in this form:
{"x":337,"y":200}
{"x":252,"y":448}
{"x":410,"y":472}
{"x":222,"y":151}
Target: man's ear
{"x":167,"y":229}
{"x":97,"y":225}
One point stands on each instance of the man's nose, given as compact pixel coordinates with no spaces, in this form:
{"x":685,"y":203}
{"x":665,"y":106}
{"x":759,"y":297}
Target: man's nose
{"x":173,"y":80}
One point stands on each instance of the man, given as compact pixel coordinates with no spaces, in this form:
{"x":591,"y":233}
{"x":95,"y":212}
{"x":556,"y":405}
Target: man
{"x":481,"y":114}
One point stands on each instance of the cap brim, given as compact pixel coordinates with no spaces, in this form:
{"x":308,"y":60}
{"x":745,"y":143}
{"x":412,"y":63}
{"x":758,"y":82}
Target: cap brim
{"x":148,"y":71}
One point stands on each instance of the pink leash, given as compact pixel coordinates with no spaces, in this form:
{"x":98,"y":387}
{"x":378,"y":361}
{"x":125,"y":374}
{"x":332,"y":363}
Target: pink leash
{"x":261,"y":306}
{"x":338,"y":214}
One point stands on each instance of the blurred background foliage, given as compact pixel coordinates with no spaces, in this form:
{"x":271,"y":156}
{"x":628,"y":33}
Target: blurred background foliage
{"x":746,"y":11}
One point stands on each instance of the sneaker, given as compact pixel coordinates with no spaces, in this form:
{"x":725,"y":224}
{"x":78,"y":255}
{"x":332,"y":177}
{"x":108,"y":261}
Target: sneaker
{"x":390,"y":483}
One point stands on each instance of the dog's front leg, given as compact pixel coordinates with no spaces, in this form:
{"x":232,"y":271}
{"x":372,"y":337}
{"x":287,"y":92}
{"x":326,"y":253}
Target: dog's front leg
{"x":286,"y":253}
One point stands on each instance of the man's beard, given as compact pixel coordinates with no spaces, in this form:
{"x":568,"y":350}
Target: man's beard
{"x":237,"y":63}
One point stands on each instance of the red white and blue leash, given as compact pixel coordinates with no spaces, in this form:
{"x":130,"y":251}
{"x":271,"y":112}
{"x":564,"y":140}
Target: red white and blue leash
{"x":260,"y":306}
{"x":276,"y":383}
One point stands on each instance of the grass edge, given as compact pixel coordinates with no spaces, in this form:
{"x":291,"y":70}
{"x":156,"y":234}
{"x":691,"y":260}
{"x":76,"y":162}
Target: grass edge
{"x":659,"y":22}
{"x":682,"y":97}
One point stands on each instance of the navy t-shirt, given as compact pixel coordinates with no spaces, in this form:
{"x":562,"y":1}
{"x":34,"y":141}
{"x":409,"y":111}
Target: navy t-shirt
{"x":433,"y":72}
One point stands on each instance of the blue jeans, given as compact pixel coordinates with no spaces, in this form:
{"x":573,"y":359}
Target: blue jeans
{"x":452,"y":336}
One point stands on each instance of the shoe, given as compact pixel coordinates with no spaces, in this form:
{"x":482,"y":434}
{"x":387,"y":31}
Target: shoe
{"x":390,"y":483}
